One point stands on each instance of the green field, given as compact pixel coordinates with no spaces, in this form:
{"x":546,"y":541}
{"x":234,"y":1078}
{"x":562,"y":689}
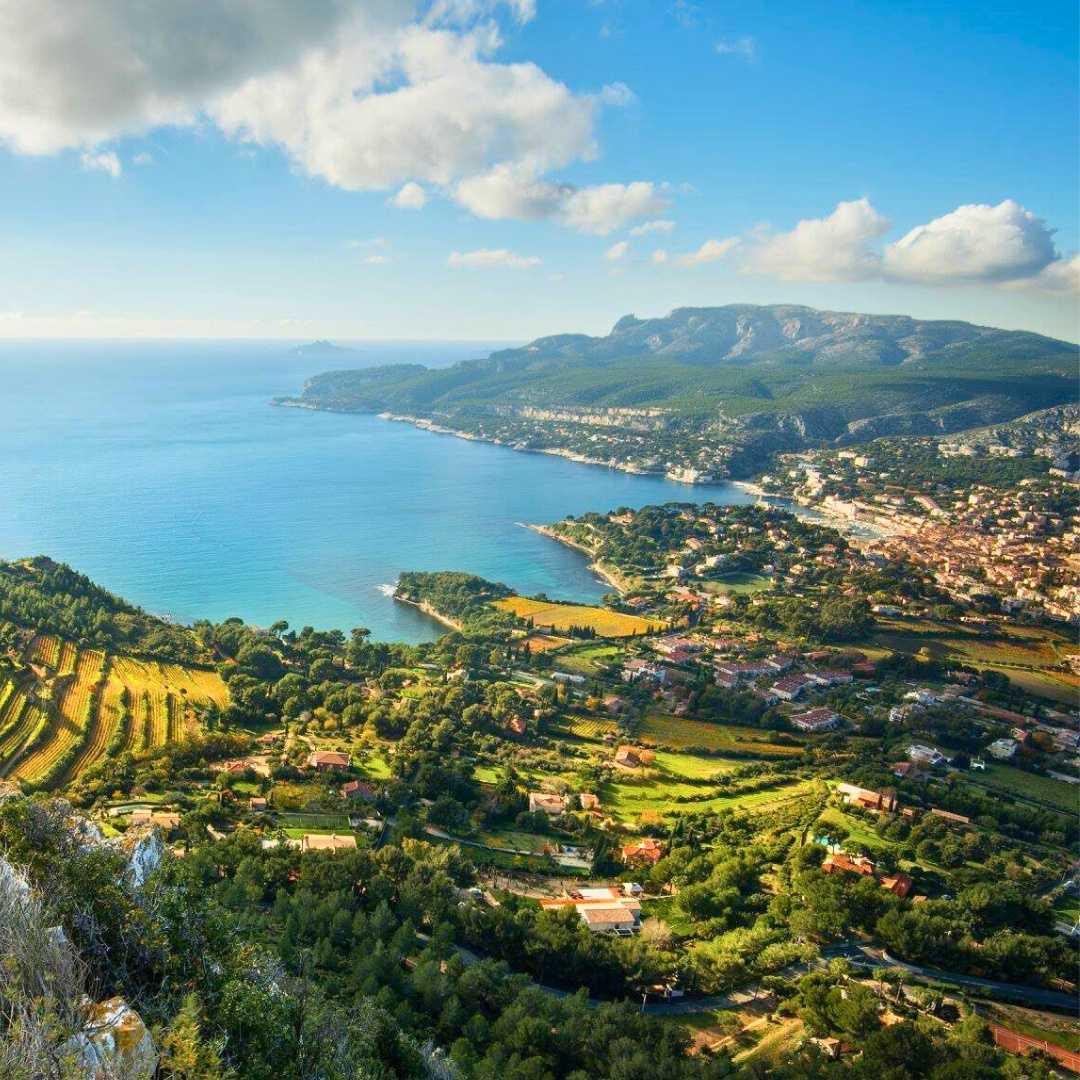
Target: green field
{"x":588,"y":660}
{"x":662,"y":729}
{"x":627,"y":801}
{"x":858,"y":831}
{"x":690,"y":767}
{"x":1043,"y":789}
{"x":737,"y":583}
{"x":1024,"y":654}
{"x":507,"y":839}
{"x":303,"y":823}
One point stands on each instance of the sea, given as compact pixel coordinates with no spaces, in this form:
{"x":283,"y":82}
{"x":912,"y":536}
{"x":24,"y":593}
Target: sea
{"x":162,"y":471}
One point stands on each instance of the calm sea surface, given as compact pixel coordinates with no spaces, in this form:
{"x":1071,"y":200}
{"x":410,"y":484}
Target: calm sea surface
{"x":163,"y":473}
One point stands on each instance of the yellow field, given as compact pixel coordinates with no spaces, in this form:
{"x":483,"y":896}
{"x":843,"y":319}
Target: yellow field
{"x":678,"y":732}
{"x":82,"y":705}
{"x":29,"y":721}
{"x":18,"y":718}
{"x":592,"y":728}
{"x":45,"y":649}
{"x":105,"y":723}
{"x":541,"y":643}
{"x":66,"y":728}
{"x":563,"y":616}
{"x":189,"y":684}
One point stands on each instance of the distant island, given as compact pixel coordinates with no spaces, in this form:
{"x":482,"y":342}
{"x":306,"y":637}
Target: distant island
{"x":321,"y":348}
{"x":706,"y":394}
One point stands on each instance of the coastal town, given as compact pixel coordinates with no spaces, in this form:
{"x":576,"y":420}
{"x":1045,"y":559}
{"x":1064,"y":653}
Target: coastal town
{"x":777,"y":768}
{"x":994,"y":521}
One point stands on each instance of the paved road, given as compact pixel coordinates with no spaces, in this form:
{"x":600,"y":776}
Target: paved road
{"x":1031,"y":995}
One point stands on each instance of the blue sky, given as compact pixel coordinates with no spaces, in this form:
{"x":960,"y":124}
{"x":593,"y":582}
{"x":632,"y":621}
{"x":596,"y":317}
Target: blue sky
{"x":575,"y":160}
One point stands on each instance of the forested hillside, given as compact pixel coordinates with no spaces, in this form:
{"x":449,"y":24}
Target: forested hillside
{"x":758,"y":378}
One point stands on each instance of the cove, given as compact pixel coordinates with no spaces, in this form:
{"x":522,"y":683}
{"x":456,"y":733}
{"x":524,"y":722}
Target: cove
{"x":161,"y":471}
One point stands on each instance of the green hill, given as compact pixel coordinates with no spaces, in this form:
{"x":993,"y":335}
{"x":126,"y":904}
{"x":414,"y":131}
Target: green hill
{"x":758,"y":378}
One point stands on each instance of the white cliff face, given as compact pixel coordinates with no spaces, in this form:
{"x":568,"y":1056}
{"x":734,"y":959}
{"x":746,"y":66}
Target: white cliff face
{"x":145,"y":851}
{"x":14,"y":888}
{"x":114,"y":1043}
{"x":87,"y":832}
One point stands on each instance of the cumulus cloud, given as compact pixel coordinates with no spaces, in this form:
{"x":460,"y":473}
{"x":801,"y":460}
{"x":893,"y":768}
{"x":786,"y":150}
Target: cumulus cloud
{"x":367,"y":96}
{"x":451,"y":111}
{"x":410,"y":196}
{"x":659,"y":256}
{"x":462,"y":12}
{"x":661,"y":225}
{"x":606,"y":207}
{"x":710,"y":251}
{"x":835,"y":248}
{"x":377,"y":260}
{"x":106,"y":162}
{"x":75,"y":75}
{"x":509,"y":191}
{"x":486,"y":259}
{"x":972,"y":244}
{"x":618,"y":95}
{"x":1061,"y":276}
{"x":617,"y":251}
{"x":744,"y":46}
{"x":143,"y":158}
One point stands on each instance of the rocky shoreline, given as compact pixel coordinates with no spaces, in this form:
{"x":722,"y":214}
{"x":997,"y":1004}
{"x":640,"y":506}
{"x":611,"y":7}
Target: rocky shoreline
{"x":427,"y":609}
{"x":675,"y":476}
{"x":601,"y":570}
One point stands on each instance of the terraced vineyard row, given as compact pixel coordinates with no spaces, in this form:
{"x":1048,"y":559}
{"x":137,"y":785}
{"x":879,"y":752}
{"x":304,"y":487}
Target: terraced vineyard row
{"x":68,"y":724}
{"x":25,"y":727}
{"x":74,"y":707}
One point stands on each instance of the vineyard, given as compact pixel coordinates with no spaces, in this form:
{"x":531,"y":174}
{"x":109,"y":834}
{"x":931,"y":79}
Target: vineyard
{"x":601,"y":621}
{"x":70,"y":708}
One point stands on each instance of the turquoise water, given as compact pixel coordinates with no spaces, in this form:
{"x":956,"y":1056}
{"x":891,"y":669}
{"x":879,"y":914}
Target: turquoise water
{"x":163,"y":473}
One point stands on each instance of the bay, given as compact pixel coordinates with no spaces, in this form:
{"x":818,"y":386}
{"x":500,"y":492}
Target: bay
{"x":162,"y":471}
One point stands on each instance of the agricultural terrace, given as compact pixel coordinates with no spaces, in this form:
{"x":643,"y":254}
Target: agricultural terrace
{"x":541,"y":643}
{"x":646,"y":800}
{"x":563,"y":616}
{"x":82,"y":704}
{"x":1027,"y":785}
{"x":21,"y":720}
{"x":661,"y":729}
{"x":1030,"y":656}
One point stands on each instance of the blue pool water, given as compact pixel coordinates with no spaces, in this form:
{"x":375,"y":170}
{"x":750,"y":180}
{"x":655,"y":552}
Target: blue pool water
{"x":162,"y":472}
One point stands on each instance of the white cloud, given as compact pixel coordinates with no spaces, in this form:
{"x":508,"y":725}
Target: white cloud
{"x":143,"y":158}
{"x":410,"y":196}
{"x":367,"y":96}
{"x":106,"y":162}
{"x":486,"y":259}
{"x":618,"y":95}
{"x":606,"y":207}
{"x":661,"y":225}
{"x":451,"y":112}
{"x":78,"y":74}
{"x":463,"y":12}
{"x":509,"y":191}
{"x":744,"y":46}
{"x":836,"y":248}
{"x":659,"y":256}
{"x":976,"y":243}
{"x":617,"y":251}
{"x":1061,"y":276}
{"x":710,"y":251}
{"x":377,"y":260}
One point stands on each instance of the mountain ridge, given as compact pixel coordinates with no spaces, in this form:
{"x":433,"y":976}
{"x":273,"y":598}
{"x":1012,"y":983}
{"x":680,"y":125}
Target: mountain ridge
{"x":754,"y":378}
